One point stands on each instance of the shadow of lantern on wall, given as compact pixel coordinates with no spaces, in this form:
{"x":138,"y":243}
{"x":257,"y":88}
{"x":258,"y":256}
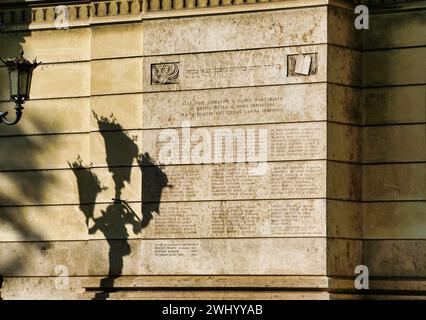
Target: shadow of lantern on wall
{"x":20,"y":74}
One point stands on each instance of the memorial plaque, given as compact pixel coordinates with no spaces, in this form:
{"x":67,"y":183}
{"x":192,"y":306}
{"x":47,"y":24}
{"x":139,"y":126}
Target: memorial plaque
{"x":235,"y":68}
{"x":292,"y":179}
{"x":301,"y":102}
{"x":290,"y":256}
{"x":292,"y":141}
{"x":235,"y":219}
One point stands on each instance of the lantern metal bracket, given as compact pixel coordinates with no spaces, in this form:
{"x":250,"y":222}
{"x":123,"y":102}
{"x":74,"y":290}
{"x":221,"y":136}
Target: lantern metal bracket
{"x":18,"y":113}
{"x":18,"y":98}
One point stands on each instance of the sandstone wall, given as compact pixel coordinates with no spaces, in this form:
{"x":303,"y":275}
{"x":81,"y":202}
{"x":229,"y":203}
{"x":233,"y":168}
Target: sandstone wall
{"x":344,"y":180}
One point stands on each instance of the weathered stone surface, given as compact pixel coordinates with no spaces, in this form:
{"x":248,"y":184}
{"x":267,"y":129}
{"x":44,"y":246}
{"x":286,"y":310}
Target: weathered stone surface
{"x":44,"y":287}
{"x":19,"y":287}
{"x":394,"y":67}
{"x":69,"y":45}
{"x":341,"y":29}
{"x":62,"y":223}
{"x":343,"y":255}
{"x":402,"y":30}
{"x":64,"y":80}
{"x":344,"y":142}
{"x":344,"y":104}
{"x":60,"y":186}
{"x":229,"y":32}
{"x":394,"y":182}
{"x":41,"y":258}
{"x":344,"y":66}
{"x":186,"y":224}
{"x":344,"y":219}
{"x":131,"y":178}
{"x":117,"y":223}
{"x":394,"y":220}
{"x":41,"y":223}
{"x":344,"y":181}
{"x":305,"y":102}
{"x":40,"y":288}
{"x":400,"y":143}
{"x":41,"y":117}
{"x":116,"y":76}
{"x":42,"y":151}
{"x":292,"y":141}
{"x":128,"y":142}
{"x":394,"y":105}
{"x":220,"y":295}
{"x":292,"y":256}
{"x":386,"y":286}
{"x":303,"y":141}
{"x":398,"y":258}
{"x":112,"y":41}
{"x":38,"y":187}
{"x":234,"y":181}
{"x":103,"y":264}
{"x":233,"y":219}
{"x":234,"y":69}
{"x":125,"y":108}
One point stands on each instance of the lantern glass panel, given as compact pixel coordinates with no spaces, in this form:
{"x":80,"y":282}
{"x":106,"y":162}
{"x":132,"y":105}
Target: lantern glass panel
{"x":23,"y":83}
{"x":14,"y":82}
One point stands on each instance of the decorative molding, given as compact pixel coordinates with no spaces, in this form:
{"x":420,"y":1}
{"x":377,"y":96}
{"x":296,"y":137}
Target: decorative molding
{"x":80,"y":13}
{"x":42,"y":15}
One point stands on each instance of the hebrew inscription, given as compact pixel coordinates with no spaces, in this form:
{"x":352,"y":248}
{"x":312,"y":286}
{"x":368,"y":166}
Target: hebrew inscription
{"x":236,"y":69}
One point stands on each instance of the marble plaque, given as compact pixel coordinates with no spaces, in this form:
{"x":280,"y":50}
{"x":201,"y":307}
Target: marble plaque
{"x":304,"y":102}
{"x":292,"y":179}
{"x":292,"y":141}
{"x":301,"y":102}
{"x":290,"y":256}
{"x":236,"y":219}
{"x":234,"y":68}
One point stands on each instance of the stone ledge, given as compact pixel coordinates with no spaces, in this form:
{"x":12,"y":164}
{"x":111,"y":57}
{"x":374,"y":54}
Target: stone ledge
{"x":15,"y":17}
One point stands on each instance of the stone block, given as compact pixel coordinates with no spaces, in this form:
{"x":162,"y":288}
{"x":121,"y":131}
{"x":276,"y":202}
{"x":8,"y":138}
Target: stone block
{"x":383,"y":182}
{"x":229,"y":32}
{"x":230,"y":69}
{"x":291,"y":256}
{"x":304,"y":102}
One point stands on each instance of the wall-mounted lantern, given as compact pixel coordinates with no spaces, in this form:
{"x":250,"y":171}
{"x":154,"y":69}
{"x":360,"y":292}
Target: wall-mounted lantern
{"x":20,"y":74}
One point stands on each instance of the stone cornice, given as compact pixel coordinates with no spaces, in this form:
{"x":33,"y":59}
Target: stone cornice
{"x":40,"y":14}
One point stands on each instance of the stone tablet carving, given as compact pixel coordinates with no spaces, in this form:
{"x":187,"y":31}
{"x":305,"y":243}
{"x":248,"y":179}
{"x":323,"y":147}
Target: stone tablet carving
{"x":231,"y":181}
{"x":259,"y":67}
{"x":165,"y":73}
{"x":291,"y":141}
{"x":300,"y":102}
{"x":292,"y":256}
{"x":236,"y":219}
{"x":302,"y":64}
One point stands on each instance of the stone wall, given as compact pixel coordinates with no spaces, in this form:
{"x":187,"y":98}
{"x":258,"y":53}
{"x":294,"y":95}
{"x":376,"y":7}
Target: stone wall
{"x":335,"y":192}
{"x":394,"y":149}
